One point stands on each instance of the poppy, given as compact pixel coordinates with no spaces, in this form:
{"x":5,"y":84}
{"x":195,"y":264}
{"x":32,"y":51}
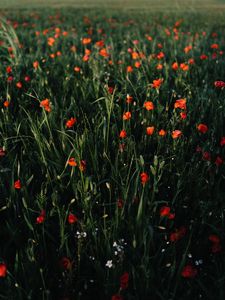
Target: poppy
{"x":189,"y":271}
{"x":72,"y":218}
{"x":164,"y":211}
{"x":77,"y":69}
{"x":129,"y":69}
{"x":214,"y":238}
{"x":184,"y":67}
{"x":180,"y":103}
{"x":177,"y":234}
{"x":17,"y":184}
{"x":71,"y":122}
{"x":86,"y":41}
{"x":66,"y":263}
{"x":144,"y":178}
{"x":72,"y":162}
{"x":150,"y":130}
{"x":175,"y":66}
{"x":45,"y":104}
{"x":157,"y":83}
{"x":202,"y":128}
{"x":222,"y":141}
{"x":82,"y":165}
{"x":149,"y":105}
{"x":123,"y":134}
{"x":218,"y":161}
{"x":126,"y":116}
{"x":117,"y":297}
{"x":6,"y":103}
{"x":124,"y":279}
{"x":19,"y":85}
{"x":206,"y":156}
{"x":41,"y":218}
{"x":219,"y":84}
{"x":162,"y":132}
{"x":35,"y":64}
{"x":129,"y":99}
{"x":176,"y":134}
{"x":3,"y":270}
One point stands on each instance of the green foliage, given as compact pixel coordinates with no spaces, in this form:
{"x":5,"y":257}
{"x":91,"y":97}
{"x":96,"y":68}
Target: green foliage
{"x":81,"y":203}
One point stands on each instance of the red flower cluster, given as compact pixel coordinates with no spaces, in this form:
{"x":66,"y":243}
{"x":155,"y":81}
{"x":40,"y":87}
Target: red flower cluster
{"x":216,"y":245}
{"x":189,"y":271}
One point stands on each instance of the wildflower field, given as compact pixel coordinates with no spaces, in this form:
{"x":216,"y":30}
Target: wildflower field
{"x":112,"y":153}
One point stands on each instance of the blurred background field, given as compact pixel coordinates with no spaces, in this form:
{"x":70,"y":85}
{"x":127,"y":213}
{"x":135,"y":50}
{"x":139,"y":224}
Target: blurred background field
{"x":171,"y":5}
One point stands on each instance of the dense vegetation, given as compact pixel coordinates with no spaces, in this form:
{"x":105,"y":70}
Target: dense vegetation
{"x":112,"y":148}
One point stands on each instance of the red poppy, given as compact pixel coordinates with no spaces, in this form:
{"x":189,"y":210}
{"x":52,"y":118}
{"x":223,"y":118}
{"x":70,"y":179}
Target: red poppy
{"x":82,"y":165}
{"x":157,"y":83}
{"x":19,"y":85}
{"x":177,"y":234}
{"x":45,"y":104}
{"x":176,"y":134}
{"x":124,"y":279}
{"x":123,"y":134}
{"x":189,"y":271}
{"x":180,"y":103}
{"x":117,"y":297}
{"x":6,"y":103}
{"x":144,"y":178}
{"x":202,"y":128}
{"x":129,"y":99}
{"x":126,"y":115}
{"x":149,"y":105}
{"x":164,"y":211}
{"x":214,"y":238}
{"x":72,"y":162}
{"x":71,"y":122}
{"x":162,"y":132}
{"x":222,"y":141}
{"x":216,"y":248}
{"x":175,"y":66}
{"x":2,"y":152}
{"x":35,"y":64}
{"x":41,"y":218}
{"x":17,"y":184}
{"x":150,"y":130}
{"x":3,"y":270}
{"x":119,"y":203}
{"x":218,"y":161}
{"x":206,"y":156}
{"x":72,"y":218}
{"x":66,"y":263}
{"x":219,"y":84}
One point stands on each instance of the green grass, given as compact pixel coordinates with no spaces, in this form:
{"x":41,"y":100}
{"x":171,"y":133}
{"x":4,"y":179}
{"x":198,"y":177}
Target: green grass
{"x":72,"y":231}
{"x":118,"y":4}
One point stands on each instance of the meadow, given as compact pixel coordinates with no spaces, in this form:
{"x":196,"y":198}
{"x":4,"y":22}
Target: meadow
{"x":112,"y":149}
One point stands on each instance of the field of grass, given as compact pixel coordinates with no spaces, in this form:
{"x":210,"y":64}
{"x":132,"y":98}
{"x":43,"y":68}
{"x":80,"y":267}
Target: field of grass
{"x":112,"y":149}
{"x":120,"y":4}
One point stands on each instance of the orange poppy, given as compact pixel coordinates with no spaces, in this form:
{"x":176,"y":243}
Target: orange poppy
{"x":71,"y":122}
{"x":202,"y":128}
{"x":123,"y":134}
{"x":162,"y":132}
{"x":149,"y":105}
{"x":180,"y":103}
{"x":72,"y":162}
{"x":126,"y":115}
{"x":157,"y":83}
{"x":150,"y":130}
{"x":45,"y":104}
{"x":86,"y":41}
{"x":176,"y":134}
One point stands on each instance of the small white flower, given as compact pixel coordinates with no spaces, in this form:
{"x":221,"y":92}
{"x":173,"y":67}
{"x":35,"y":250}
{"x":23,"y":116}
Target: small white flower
{"x":109,"y":264}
